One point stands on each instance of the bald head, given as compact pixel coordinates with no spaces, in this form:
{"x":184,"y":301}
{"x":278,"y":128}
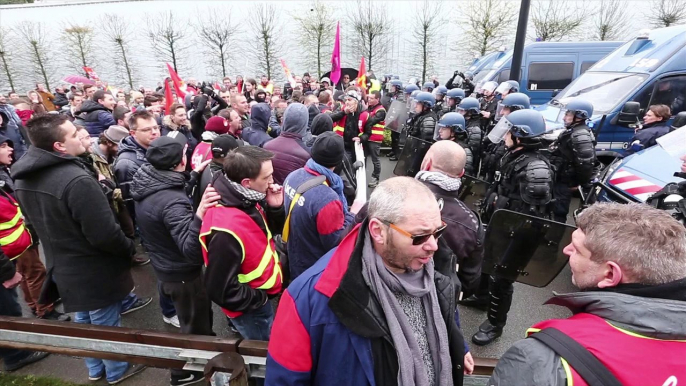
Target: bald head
{"x":447,"y":157}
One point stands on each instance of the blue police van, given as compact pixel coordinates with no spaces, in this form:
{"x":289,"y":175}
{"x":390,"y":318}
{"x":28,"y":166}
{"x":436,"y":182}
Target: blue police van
{"x":648,"y":70}
{"x":547,"y":67}
{"x":484,"y":64}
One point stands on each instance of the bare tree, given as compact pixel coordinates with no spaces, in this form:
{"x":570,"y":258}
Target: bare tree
{"x":425,"y":36}
{"x":317,"y":31}
{"x":116,"y":31}
{"x":489,"y":23}
{"x":371,"y":31}
{"x":9,"y":71}
{"x":665,"y":13}
{"x":266,"y":40}
{"x":611,"y":20}
{"x":555,"y":20}
{"x":169,"y":40}
{"x":218,"y":37}
{"x":37,"y":51}
{"x":79,"y":44}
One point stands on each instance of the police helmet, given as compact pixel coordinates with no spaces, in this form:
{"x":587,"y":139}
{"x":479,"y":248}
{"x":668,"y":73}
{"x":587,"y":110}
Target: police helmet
{"x":414,"y":94}
{"x":441,"y":90}
{"x":469,"y":75}
{"x":526,"y":124}
{"x":489,"y":86}
{"x":456,"y":93}
{"x":517,"y":101}
{"x":428,"y":86}
{"x":397,"y":84}
{"x":455,"y":121}
{"x":508,"y":86}
{"x":394,"y":77}
{"x":410,"y":88}
{"x":581,"y":108}
{"x":470,"y":105}
{"x":425,"y":98}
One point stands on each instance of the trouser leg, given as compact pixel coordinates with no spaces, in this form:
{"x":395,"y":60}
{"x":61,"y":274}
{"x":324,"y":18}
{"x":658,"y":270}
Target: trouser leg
{"x":501,"y":291}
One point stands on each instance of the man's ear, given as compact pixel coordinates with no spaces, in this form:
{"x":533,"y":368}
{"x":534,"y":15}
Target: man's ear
{"x":245,"y":183}
{"x":376,"y":230}
{"x":59,"y":147}
{"x":612,"y":275}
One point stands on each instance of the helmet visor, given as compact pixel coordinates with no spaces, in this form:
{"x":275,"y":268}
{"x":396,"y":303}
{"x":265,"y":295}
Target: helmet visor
{"x":499,"y":111}
{"x":498,"y":133}
{"x":503,"y":88}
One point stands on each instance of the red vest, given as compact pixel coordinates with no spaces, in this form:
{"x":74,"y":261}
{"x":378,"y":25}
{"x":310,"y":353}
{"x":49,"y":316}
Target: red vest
{"x":377,"y":130}
{"x":201,"y":153}
{"x":339,"y":126}
{"x":14,"y":238}
{"x":261,"y":268}
{"x":632,"y":358}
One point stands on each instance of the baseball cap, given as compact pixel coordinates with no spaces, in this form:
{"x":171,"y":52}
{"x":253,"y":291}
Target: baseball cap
{"x":165,"y":153}
{"x":223,"y":144}
{"x":325,"y":79}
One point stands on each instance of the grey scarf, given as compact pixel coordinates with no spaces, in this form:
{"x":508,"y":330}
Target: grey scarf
{"x":383,"y":284}
{"x":248,"y":194}
{"x":439,"y":179}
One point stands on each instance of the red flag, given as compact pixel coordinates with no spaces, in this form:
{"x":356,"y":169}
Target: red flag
{"x":168,"y":97}
{"x":90,"y":73}
{"x":336,"y":57}
{"x":362,"y":75}
{"x":177,"y":82}
{"x":289,"y":76}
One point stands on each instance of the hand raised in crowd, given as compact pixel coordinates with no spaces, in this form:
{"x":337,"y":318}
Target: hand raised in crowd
{"x":198,"y":169}
{"x":468,"y":363}
{"x":209,"y":199}
{"x":14,"y":281}
{"x":275,"y":195}
{"x":356,"y":139}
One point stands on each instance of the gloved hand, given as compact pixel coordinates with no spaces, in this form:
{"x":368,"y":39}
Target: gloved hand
{"x":456,"y":73}
{"x":209,"y":91}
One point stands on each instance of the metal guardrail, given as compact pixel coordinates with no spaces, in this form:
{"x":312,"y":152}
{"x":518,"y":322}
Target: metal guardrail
{"x":156,"y":349}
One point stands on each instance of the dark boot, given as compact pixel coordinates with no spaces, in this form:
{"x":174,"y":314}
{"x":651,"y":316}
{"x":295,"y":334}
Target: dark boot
{"x":486,"y":334}
{"x":479,"y":302}
{"x":500,"y":301}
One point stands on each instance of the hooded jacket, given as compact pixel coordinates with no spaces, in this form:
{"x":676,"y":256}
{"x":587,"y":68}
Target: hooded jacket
{"x":256,"y":134}
{"x":130,"y":157}
{"x":169,"y":126}
{"x":87,"y":255}
{"x":530,"y":362}
{"x":97,"y":117}
{"x":290,"y":152}
{"x":169,"y":227}
{"x":320,"y":124}
{"x":11,"y":128}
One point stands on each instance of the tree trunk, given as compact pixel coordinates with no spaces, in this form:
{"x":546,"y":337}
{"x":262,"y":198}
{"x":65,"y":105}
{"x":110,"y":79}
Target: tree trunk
{"x":7,"y":72}
{"x":371,"y":45}
{"x":39,"y":61}
{"x":319,"y":55}
{"x":126,"y":64}
{"x":223,"y":59}
{"x":173,"y":54}
{"x":82,"y":53}
{"x":424,"y":56}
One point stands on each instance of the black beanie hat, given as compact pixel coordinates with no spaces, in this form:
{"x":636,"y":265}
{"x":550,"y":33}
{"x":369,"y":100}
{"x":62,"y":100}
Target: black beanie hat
{"x":328,"y":149}
{"x":321,"y":123}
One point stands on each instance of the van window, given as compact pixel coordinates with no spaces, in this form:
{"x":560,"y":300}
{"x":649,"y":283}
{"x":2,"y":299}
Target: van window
{"x":585,"y":66}
{"x":504,"y":76}
{"x":671,"y":92}
{"x":550,"y":76}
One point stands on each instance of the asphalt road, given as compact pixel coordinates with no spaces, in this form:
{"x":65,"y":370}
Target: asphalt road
{"x":527,"y":309}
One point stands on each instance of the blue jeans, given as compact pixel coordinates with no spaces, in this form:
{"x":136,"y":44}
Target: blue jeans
{"x":166,"y":303}
{"x":256,"y":325}
{"x":9,"y":306}
{"x":108,"y":316}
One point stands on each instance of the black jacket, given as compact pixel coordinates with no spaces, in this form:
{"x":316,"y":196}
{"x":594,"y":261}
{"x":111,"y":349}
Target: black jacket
{"x":225,"y":253}
{"x":169,"y":227}
{"x":423,"y":126}
{"x":357,"y":308}
{"x":86,"y":253}
{"x":351,"y":129}
{"x":130,"y":157}
{"x":60,"y":101}
{"x":464,"y":237}
{"x":7,"y":269}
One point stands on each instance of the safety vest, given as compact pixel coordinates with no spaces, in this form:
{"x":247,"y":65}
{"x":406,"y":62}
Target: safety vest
{"x":377,"y":129}
{"x":339,"y":126}
{"x":14,"y":238}
{"x":632,"y":358}
{"x":261,"y":267}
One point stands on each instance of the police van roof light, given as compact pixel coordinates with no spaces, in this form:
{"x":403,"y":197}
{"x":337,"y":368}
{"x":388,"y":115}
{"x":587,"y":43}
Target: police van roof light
{"x":643,"y":34}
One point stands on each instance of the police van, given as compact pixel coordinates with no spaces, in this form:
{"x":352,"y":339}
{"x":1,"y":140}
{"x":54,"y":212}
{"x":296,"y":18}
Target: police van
{"x":648,"y":70}
{"x":547,"y":67}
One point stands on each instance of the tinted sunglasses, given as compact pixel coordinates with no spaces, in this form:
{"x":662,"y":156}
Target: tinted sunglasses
{"x":422,"y":238}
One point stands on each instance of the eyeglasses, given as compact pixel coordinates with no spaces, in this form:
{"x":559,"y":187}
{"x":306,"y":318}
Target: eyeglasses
{"x":148,"y":129}
{"x":422,"y":238}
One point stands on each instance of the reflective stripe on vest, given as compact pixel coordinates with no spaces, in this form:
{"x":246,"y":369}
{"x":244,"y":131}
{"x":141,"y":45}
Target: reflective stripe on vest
{"x":11,"y":223}
{"x":14,"y":238}
{"x":339,"y":126}
{"x":378,"y":129}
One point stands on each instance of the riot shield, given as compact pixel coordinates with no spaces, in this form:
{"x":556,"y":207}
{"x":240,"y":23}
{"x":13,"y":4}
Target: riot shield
{"x":525,"y":248}
{"x":473,"y":191}
{"x":396,"y":116}
{"x":411,"y":158}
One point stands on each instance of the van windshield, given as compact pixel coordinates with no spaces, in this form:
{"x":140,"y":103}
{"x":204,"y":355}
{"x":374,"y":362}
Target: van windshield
{"x":605,"y":90}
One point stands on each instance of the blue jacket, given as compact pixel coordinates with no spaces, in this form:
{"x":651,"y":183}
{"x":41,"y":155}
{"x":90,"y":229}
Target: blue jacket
{"x":11,"y":128}
{"x":256,"y":134}
{"x":97,"y":117}
{"x":330,"y":330}
{"x":317,"y":224}
{"x":648,"y":135}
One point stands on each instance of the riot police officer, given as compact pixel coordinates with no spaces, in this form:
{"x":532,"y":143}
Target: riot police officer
{"x":469,"y":108}
{"x":452,"y":127}
{"x":493,"y":152}
{"x":573,"y":155}
{"x":506,"y":88}
{"x":488,"y":105}
{"x":524,"y":184}
{"x":440,"y":106}
{"x":395,"y":94}
{"x":428,"y":86}
{"x":453,"y":98}
{"x":423,"y":123}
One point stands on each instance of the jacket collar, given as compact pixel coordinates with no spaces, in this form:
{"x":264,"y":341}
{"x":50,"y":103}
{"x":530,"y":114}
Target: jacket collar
{"x":658,"y":318}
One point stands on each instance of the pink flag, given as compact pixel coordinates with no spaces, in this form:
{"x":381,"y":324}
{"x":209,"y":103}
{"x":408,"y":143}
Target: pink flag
{"x":336,"y":57}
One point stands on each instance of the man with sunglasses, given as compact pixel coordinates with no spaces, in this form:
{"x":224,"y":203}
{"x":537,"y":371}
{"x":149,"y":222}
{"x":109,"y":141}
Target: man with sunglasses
{"x":374,"y":310}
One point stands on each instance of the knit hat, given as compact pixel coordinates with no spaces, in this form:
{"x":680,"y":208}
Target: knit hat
{"x":223,"y":144}
{"x":116,"y":133}
{"x":328,"y":149}
{"x":321,"y":124}
{"x":166,"y":152}
{"x":217,"y":125}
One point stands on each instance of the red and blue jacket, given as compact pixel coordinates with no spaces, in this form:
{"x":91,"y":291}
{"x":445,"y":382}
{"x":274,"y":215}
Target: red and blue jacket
{"x":330,"y":330}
